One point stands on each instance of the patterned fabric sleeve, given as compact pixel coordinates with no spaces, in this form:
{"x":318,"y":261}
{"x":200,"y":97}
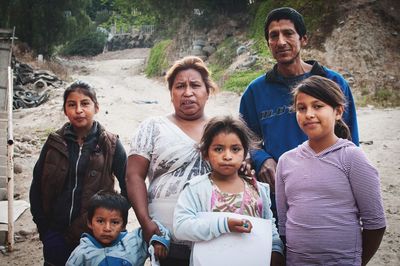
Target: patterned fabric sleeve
{"x":142,"y":142}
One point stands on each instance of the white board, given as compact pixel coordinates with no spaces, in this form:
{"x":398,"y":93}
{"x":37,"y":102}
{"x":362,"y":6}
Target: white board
{"x":236,"y":248}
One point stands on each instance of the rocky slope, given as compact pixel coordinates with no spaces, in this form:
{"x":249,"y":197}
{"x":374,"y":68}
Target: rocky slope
{"x":360,"y":39}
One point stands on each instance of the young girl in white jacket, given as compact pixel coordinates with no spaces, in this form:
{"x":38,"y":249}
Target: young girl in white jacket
{"x":225,"y":144}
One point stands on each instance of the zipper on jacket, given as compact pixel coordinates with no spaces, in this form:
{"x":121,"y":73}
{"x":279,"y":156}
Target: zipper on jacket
{"x":76,"y":185}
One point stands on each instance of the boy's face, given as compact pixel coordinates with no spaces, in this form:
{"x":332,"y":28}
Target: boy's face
{"x":106,"y":225}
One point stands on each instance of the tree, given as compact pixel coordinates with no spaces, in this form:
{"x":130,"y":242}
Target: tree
{"x":42,"y":24}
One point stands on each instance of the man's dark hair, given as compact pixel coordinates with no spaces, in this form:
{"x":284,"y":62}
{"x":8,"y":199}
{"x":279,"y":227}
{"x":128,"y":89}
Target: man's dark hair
{"x":109,"y":200}
{"x":286,"y":13}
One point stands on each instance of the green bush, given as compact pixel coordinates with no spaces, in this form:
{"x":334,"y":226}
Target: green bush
{"x":89,"y":44}
{"x":225,"y":54}
{"x":158,"y":62}
{"x":257,"y":27}
{"x":239,"y":81}
{"x":386,"y":97}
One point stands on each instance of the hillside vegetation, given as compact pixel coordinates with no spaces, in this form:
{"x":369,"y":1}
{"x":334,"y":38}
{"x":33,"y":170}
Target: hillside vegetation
{"x":359,"y":39}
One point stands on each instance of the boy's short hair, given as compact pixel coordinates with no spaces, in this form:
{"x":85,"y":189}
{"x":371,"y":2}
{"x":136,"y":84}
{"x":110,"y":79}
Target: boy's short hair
{"x":109,"y":200}
{"x":286,"y":13}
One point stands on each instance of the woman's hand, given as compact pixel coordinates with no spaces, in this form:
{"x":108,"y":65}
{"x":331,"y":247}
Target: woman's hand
{"x":239,"y":225}
{"x":150,"y":229}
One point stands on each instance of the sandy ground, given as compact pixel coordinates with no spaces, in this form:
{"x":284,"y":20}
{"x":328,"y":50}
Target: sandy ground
{"x":127,"y":97}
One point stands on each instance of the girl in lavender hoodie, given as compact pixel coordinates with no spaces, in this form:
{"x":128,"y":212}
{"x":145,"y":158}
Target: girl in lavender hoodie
{"x":328,"y":197}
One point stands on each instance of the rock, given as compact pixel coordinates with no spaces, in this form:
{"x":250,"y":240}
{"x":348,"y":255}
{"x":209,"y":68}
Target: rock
{"x":17,"y":149}
{"x":199,"y":42}
{"x":241,"y":49}
{"x":197,"y":47}
{"x":24,"y":149}
{"x":249,"y":62}
{"x":233,"y":23}
{"x":198,"y":52}
{"x":17,"y":168}
{"x":130,"y":40}
{"x":351,"y":80}
{"x":208,"y":49}
{"x":396,"y":86}
{"x":3,"y":194}
{"x":26,"y":138}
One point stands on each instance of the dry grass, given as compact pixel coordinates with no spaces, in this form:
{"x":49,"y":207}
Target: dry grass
{"x":24,"y":54}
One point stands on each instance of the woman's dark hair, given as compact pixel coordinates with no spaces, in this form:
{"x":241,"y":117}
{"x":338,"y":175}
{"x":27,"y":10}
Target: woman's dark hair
{"x":330,"y":93}
{"x":109,"y":200}
{"x":286,"y":13}
{"x":82,"y":87}
{"x":227,"y":124}
{"x":191,"y":62}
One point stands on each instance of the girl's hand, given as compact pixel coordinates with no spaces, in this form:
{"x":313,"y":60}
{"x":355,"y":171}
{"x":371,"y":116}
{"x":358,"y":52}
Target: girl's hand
{"x":160,"y":251}
{"x":239,"y":225}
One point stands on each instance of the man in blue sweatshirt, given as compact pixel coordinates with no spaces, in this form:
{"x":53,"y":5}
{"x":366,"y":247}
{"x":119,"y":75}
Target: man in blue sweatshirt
{"x":266,"y":103}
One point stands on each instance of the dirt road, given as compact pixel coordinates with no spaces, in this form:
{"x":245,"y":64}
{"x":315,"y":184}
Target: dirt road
{"x":127,"y":97}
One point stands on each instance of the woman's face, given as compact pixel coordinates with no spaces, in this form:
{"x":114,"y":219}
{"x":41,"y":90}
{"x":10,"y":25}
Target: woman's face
{"x":189,"y":95}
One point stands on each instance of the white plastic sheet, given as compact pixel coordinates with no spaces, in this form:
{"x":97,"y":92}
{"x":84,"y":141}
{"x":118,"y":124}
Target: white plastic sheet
{"x":236,"y":248}
{"x":19,"y":207}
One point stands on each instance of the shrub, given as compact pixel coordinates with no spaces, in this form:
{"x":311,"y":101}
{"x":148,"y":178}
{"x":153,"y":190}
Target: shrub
{"x":158,"y":62}
{"x":239,"y":81}
{"x":225,"y":54}
{"x":90,"y":44}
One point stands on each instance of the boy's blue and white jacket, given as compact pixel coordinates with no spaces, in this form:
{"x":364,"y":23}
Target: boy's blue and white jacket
{"x":196,"y":197}
{"x":128,"y":249}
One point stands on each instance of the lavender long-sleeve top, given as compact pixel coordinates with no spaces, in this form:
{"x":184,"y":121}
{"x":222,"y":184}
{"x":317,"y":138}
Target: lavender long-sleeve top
{"x":323,"y":202}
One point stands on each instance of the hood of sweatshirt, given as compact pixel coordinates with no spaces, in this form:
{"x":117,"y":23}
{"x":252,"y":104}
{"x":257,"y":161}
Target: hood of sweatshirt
{"x":89,"y":239}
{"x":305,"y":151}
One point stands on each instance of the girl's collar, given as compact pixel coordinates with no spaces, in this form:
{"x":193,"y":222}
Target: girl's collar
{"x":71,"y":134}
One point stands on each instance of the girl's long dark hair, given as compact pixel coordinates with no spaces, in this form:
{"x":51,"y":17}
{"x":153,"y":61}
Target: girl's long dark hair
{"x":330,"y":93}
{"x":82,"y":87}
{"x":228,"y":124}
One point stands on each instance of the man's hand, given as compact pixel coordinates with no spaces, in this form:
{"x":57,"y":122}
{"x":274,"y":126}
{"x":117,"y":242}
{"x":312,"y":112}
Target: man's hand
{"x":246,"y":169}
{"x":277,"y":259}
{"x":267,"y":173}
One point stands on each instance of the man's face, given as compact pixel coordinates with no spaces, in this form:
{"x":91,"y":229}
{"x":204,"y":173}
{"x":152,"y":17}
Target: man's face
{"x":284,"y":41}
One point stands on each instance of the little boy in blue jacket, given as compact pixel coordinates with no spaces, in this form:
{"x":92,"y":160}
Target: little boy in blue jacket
{"x":110,"y":243}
